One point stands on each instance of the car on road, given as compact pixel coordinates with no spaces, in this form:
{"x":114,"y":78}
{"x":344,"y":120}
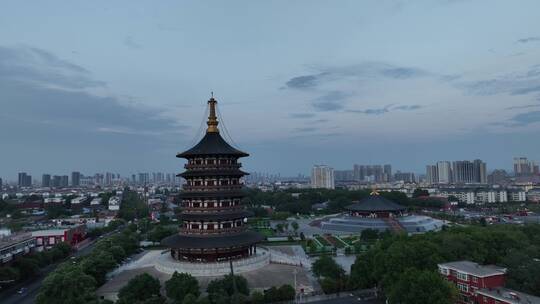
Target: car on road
{"x":22,"y":290}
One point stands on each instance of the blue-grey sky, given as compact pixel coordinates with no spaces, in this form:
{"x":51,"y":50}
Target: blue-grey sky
{"x":121,"y":85}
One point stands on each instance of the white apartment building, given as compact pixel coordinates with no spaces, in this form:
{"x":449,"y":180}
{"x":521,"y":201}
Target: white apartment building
{"x":114,"y":203}
{"x":517,"y":195}
{"x":491,"y":196}
{"x":322,"y":176}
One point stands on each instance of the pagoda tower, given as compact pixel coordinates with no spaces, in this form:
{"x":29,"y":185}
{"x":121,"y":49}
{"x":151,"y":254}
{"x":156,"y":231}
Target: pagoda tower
{"x":214,"y":221}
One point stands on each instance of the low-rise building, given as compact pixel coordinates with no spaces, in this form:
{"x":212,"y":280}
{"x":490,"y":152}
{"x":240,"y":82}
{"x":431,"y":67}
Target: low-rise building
{"x":517,"y":195}
{"x":501,"y":295}
{"x":96,"y":201}
{"x":533,"y":195}
{"x":463,"y":195}
{"x":14,"y":245}
{"x":114,"y":203}
{"x":79,"y":200}
{"x":487,"y":196}
{"x":469,"y":277}
{"x":46,"y":239}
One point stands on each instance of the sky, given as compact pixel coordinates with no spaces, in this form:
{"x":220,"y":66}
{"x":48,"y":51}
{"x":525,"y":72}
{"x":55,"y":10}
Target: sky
{"x":122,"y":86}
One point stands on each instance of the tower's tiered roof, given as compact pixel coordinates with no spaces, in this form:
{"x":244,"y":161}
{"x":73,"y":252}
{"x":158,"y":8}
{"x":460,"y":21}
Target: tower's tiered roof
{"x":212,"y":144}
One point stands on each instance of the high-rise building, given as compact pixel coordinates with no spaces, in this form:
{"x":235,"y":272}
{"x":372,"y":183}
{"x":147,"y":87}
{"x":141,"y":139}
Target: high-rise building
{"x":407,"y":177}
{"x":467,"y":172}
{"x":1,"y":184}
{"x":480,"y":171}
{"x":322,"y":177}
{"x":25,"y":180}
{"x":375,"y":173}
{"x":387,"y":173}
{"x":75,"y":179}
{"x":463,"y":172}
{"x":344,"y":175}
{"x":64,"y":181}
{"x":46,"y":180}
{"x":432,"y":174}
{"x":444,"y":171}
{"x":108,"y":179}
{"x":56,"y":181}
{"x":144,"y":178}
{"x":524,"y":167}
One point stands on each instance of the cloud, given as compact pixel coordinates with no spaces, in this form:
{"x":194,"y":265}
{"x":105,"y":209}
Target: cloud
{"x":302,"y":115}
{"x":523,"y":107}
{"x":377,"y":111}
{"x":37,"y":66}
{"x":408,"y":107}
{"x":302,"y":82}
{"x":366,"y":70}
{"x":386,"y":109}
{"x":131,"y":43}
{"x":523,"y":91}
{"x":528,"y":39}
{"x":514,"y":84}
{"x":306,"y":129}
{"x":524,"y":119}
{"x":403,"y":73}
{"x":331,"y":101}
{"x":33,"y":91}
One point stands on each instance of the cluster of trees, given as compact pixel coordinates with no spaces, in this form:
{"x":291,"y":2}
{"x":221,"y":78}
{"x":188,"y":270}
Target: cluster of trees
{"x":96,"y":232}
{"x":401,"y":265}
{"x":29,"y":265}
{"x":132,"y":206}
{"x":331,"y":275}
{"x":182,"y":288}
{"x":286,"y":202}
{"x":6,"y":208}
{"x":284,"y":227}
{"x":76,"y":281}
{"x":338,"y":199}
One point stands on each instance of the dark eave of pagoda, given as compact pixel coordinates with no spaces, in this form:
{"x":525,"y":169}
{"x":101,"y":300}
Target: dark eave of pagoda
{"x":220,"y":215}
{"x":212,"y":144}
{"x":203,"y":173}
{"x":244,"y":238}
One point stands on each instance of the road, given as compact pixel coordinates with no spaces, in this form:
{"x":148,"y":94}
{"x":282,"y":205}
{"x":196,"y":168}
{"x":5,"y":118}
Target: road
{"x":28,"y":297}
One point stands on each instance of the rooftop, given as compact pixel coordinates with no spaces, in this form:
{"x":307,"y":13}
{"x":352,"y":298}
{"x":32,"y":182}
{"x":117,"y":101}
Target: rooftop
{"x":212,"y":144}
{"x":7,"y":241}
{"x":475,"y":269}
{"x":208,"y":242}
{"x":509,"y":296}
{"x":374,"y":203}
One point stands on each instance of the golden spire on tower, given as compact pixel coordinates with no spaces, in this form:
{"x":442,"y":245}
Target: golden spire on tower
{"x":212,"y":118}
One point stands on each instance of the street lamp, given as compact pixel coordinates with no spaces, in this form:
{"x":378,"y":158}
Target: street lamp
{"x":295,"y":272}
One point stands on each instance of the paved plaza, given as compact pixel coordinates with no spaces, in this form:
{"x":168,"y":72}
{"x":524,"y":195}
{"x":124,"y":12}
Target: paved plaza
{"x":273,"y":274}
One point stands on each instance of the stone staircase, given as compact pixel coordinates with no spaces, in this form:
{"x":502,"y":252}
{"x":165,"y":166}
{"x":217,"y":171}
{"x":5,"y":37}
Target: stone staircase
{"x":394,"y":224}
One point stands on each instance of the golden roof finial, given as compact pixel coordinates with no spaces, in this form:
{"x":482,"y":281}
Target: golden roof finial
{"x":374,"y":191}
{"x":212,"y":118}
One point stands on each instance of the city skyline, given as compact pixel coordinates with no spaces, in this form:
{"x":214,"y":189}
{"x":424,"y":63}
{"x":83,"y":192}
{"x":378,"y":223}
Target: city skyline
{"x":343,"y":170}
{"x":387,"y":89}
